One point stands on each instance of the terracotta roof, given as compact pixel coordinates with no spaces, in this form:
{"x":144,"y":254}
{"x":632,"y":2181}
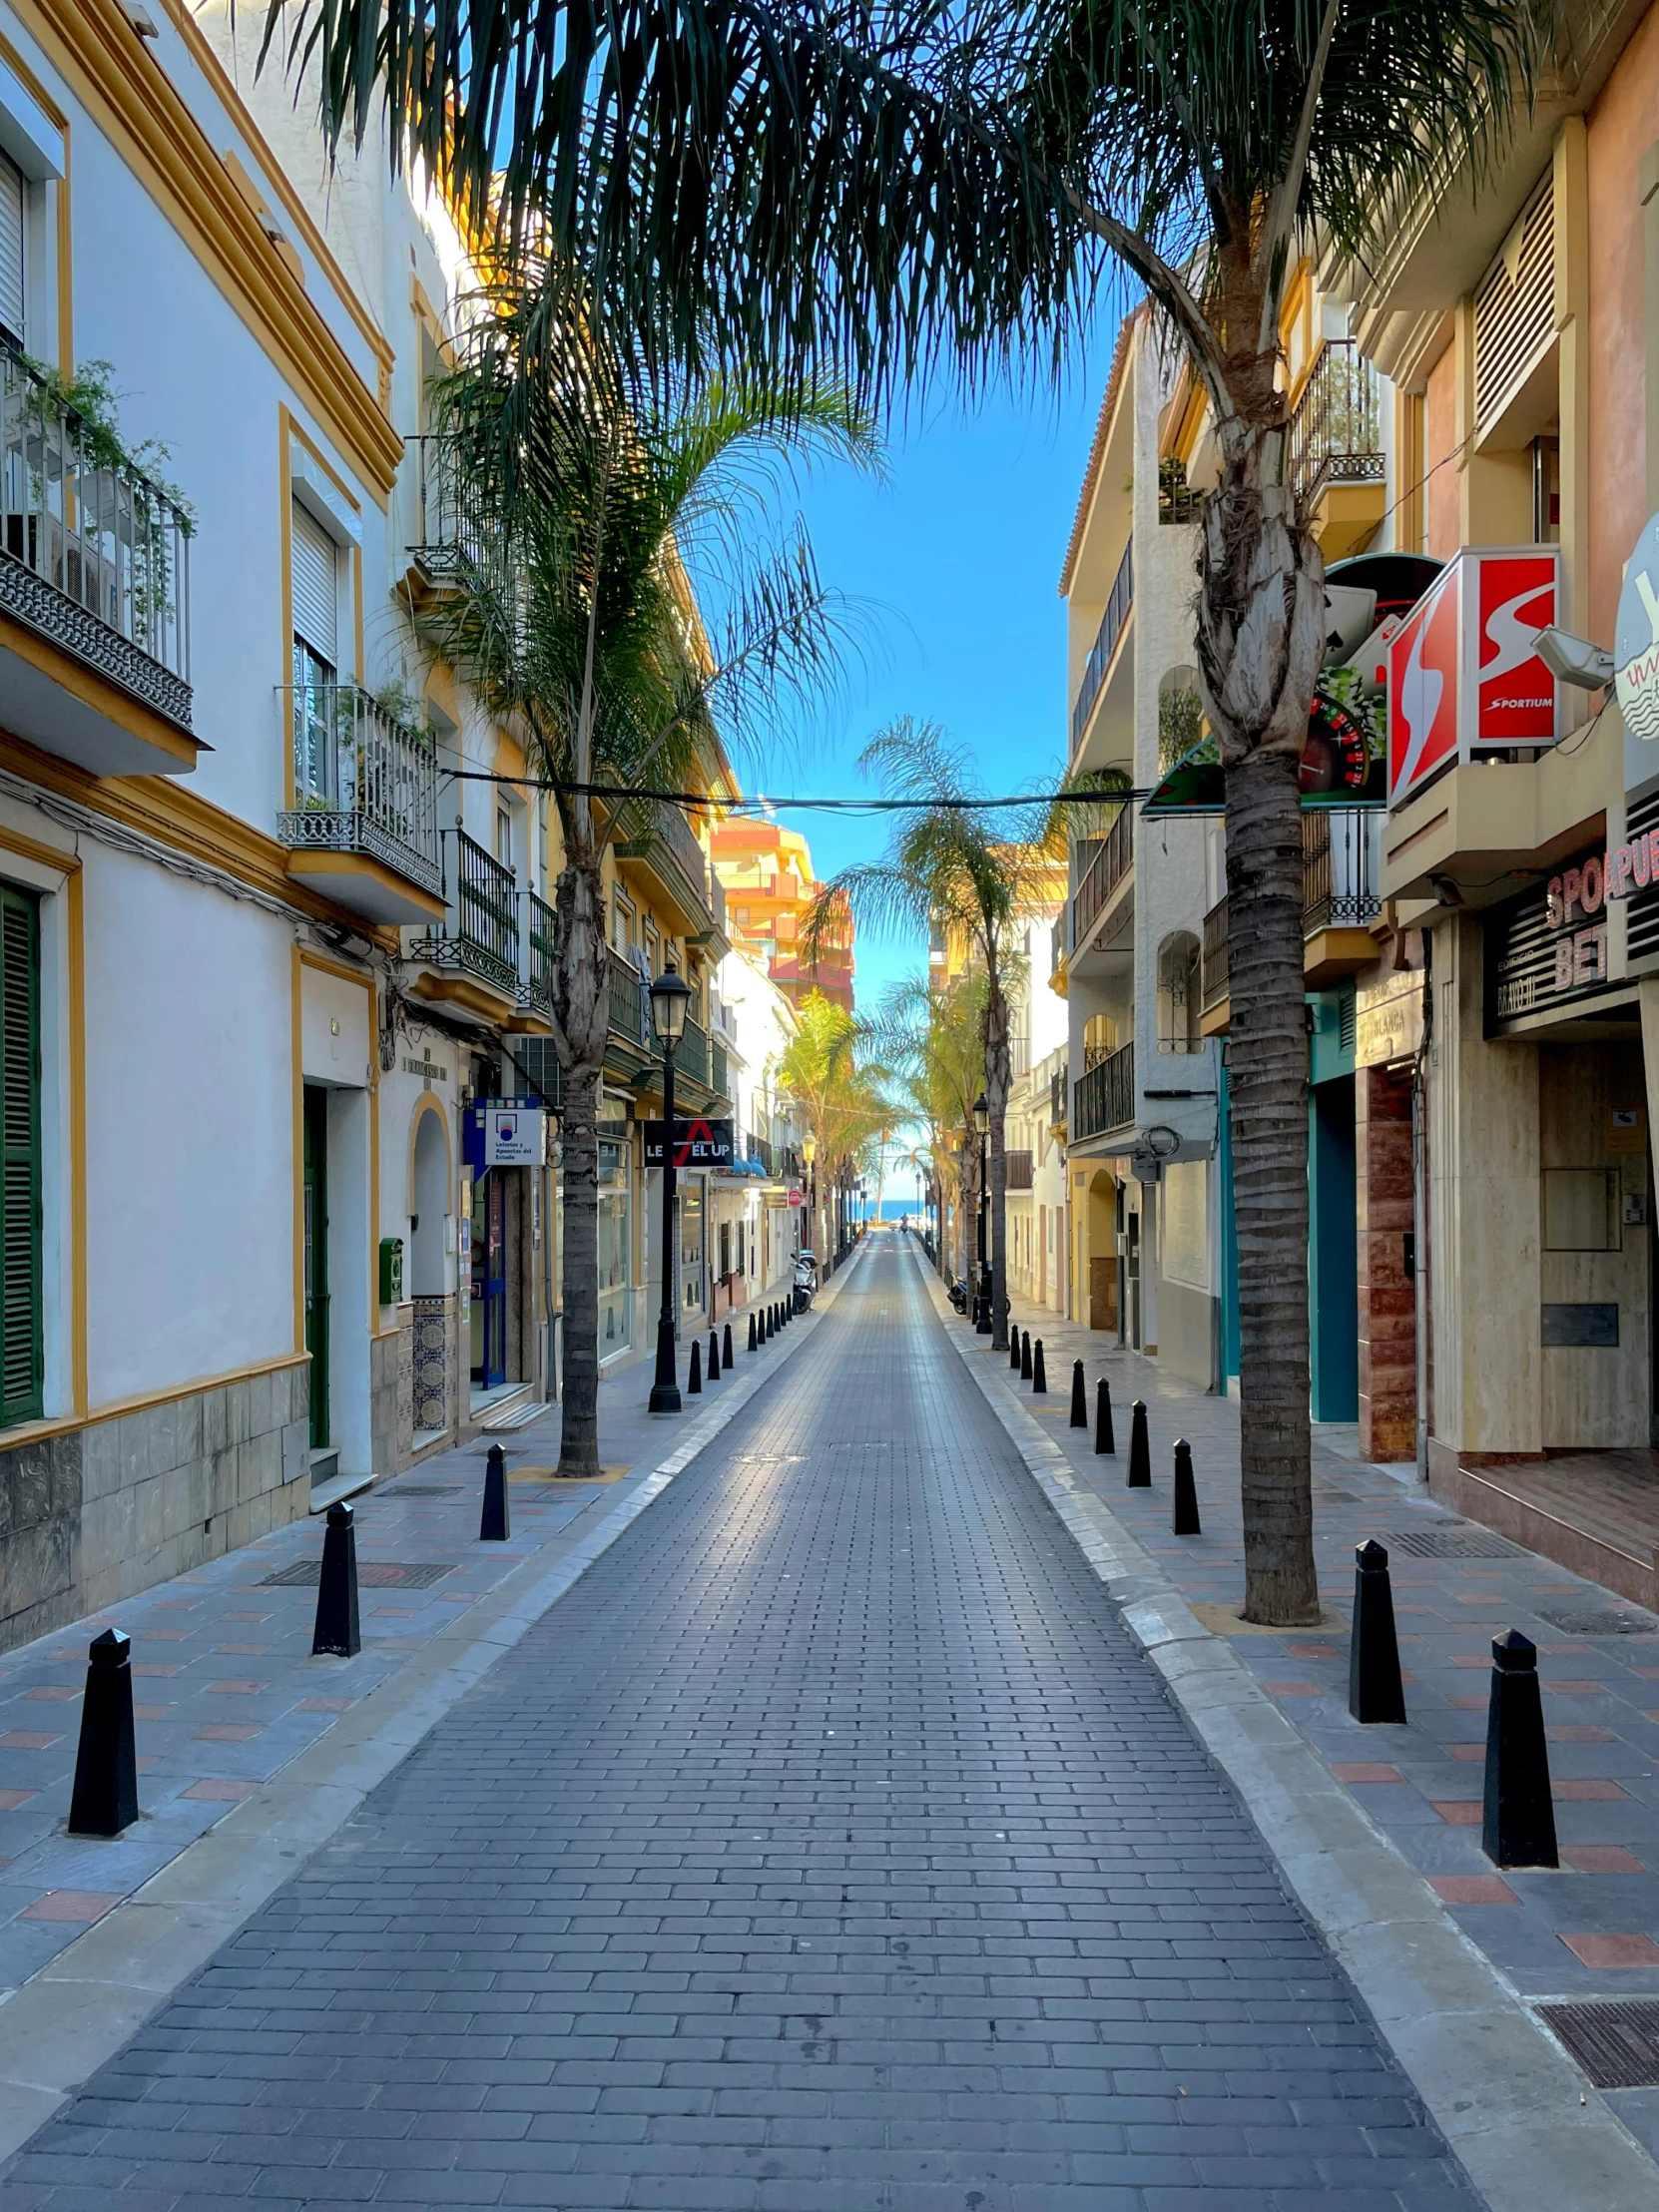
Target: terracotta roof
{"x":1102,"y":429}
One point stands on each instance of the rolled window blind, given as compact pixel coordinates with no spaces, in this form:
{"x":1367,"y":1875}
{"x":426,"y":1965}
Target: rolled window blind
{"x":11,"y":247}
{"x":316,"y":590}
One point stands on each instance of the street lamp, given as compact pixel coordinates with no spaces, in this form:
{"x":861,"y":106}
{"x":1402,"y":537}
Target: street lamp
{"x":809,"y":1153}
{"x":670,"y":1000}
{"x":983,"y":1312}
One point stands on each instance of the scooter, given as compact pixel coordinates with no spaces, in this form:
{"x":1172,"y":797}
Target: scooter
{"x":806,"y":1281}
{"x":959,"y":1295}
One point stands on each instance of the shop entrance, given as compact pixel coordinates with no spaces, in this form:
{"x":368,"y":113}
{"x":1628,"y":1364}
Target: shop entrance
{"x":489,"y":1281}
{"x":316,"y":1225}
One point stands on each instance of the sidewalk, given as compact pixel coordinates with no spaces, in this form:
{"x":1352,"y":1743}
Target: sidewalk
{"x":226,"y":1693}
{"x":1588,"y":1931}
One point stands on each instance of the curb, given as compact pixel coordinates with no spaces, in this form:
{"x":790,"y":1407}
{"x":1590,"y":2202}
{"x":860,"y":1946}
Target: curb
{"x":1517,"y":2112}
{"x":67,"y":2021}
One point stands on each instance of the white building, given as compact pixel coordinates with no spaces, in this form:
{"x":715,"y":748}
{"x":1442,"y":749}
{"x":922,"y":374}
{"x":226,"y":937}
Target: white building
{"x":1037,"y":1198}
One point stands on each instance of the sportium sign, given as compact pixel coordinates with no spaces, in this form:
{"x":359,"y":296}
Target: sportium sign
{"x":1464,"y":673}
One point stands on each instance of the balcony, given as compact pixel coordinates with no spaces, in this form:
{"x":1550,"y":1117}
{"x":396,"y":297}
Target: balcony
{"x":1118,"y":605}
{"x":471,"y":960}
{"x":658,"y":844}
{"x":94,"y":593}
{"x":535,"y":990}
{"x":633,"y":1055}
{"x":1335,"y":457}
{"x":1103,"y":1097}
{"x":364,"y":828}
{"x":451,"y":539}
{"x":1019,"y":1170}
{"x":1107,"y":867}
{"x":1059,"y":1096}
{"x":1340,"y":899}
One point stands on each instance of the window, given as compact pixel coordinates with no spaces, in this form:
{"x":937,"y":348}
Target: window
{"x":314,"y":590}
{"x":1178,"y":994}
{"x":504,"y":837}
{"x":22,"y":1365}
{"x":622,"y":919}
{"x":13,"y":201}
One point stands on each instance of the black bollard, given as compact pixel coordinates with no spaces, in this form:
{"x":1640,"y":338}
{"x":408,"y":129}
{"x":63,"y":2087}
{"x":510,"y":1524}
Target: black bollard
{"x":1374,"y":1686}
{"x":1183,"y":1520}
{"x":336,"y":1634}
{"x":1080,"y":1397}
{"x":714,"y":1356}
{"x":694,"y":1383}
{"x":105,"y":1800}
{"x":1517,"y":1827}
{"x":1013,"y":1351}
{"x":1140,"y":1452}
{"x":751,"y":1332}
{"x":1039,"y":1377}
{"x":495,"y":1522}
{"x":725,"y":1351}
{"x":768,"y":1332}
{"x":1104,"y":1440}
{"x":1025,"y":1356}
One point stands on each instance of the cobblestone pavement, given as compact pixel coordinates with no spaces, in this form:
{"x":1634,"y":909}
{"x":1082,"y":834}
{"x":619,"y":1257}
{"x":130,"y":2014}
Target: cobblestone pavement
{"x":826,"y":1849}
{"x":1589,"y":1929}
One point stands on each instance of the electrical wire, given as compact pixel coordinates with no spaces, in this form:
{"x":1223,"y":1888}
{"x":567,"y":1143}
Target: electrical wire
{"x":706,"y":802}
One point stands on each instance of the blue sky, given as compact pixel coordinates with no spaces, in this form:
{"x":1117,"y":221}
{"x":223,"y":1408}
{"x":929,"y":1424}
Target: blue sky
{"x":957,"y":556}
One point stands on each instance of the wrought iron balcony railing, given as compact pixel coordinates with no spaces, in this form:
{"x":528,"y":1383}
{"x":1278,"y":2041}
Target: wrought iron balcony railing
{"x":1108,"y":865}
{"x":538,"y":982}
{"x":1104,"y":1097}
{"x":763,"y":1153}
{"x":480,"y":931}
{"x":1121,"y":599}
{"x":93,"y":555}
{"x":1340,"y":867}
{"x":450,"y":532}
{"x":628,"y":1008}
{"x":364,"y":781}
{"x":1336,"y":430}
{"x":1059,"y":1095}
{"x":1213,"y":958}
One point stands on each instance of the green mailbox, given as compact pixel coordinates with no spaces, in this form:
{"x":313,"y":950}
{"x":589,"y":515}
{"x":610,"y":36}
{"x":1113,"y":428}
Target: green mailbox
{"x":392,"y":1271}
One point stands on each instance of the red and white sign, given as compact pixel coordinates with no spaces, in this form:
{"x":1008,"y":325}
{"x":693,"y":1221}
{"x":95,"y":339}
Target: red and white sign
{"x":1464,"y":677}
{"x":796,"y":1198}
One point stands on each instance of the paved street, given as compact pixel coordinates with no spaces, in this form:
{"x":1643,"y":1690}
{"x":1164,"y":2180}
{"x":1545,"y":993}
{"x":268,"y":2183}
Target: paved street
{"x":828,"y":1846}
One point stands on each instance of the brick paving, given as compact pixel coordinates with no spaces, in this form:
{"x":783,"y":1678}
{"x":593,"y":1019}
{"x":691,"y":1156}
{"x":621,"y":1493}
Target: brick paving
{"x":1590,"y":1929}
{"x":227,"y":1692}
{"x":827,"y":1847}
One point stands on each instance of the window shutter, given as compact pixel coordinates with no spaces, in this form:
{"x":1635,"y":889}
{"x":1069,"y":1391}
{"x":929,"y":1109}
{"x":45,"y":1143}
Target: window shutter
{"x":1514,"y":309}
{"x":11,"y":247}
{"x":316,"y":590}
{"x":21,"y":1360}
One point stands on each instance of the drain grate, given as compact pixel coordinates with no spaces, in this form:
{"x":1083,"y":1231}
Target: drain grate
{"x":372,"y":1574}
{"x":426,"y":1489}
{"x":1453,"y":1543}
{"x":1597,"y":1620}
{"x":1617,"y":2041}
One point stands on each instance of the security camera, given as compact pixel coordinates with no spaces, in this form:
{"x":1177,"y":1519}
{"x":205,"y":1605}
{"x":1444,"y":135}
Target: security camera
{"x":1573,"y":660}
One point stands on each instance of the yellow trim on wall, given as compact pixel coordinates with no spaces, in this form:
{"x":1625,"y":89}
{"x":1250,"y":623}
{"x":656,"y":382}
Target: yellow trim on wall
{"x":62,"y":1425}
{"x":285,"y":485}
{"x":68,"y":866}
{"x":60,"y":122}
{"x":122,"y":83}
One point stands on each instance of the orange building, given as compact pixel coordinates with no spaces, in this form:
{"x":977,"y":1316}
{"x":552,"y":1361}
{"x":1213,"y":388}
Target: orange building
{"x":766,"y":874}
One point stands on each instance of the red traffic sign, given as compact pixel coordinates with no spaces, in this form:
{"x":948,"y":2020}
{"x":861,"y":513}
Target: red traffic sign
{"x":796,"y":1198}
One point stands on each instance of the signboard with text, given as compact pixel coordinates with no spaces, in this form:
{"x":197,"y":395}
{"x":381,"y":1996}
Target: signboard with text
{"x":1464,"y":674}
{"x":1549,"y":947}
{"x":697,"y":1143}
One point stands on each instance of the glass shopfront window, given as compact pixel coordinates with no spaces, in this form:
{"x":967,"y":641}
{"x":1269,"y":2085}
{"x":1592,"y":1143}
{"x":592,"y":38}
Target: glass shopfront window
{"x":692,"y":1217}
{"x":615,"y":1245}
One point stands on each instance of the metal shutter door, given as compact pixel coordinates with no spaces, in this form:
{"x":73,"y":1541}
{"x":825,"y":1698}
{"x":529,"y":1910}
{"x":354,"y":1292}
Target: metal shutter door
{"x":21,"y":1366}
{"x":315,"y":593}
{"x":11,"y":247}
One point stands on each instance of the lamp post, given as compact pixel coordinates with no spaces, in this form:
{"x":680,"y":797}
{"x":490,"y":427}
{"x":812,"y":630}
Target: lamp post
{"x":669,"y":999}
{"x":809,"y":1153}
{"x":982,"y":1312}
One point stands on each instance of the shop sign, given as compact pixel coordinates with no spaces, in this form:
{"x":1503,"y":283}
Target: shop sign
{"x":1549,"y":946}
{"x":1464,"y":677}
{"x":697,"y":1143}
{"x":504,"y":1135}
{"x":1388,"y":1020}
{"x":1584,"y":889}
{"x":1636,"y":640}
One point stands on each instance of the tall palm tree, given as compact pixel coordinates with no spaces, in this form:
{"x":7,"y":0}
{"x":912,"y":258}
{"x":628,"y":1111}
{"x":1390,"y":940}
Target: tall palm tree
{"x":932,"y":1037}
{"x":955,"y":867}
{"x":812,"y":180}
{"x":839,"y":1085}
{"x":593,"y":513}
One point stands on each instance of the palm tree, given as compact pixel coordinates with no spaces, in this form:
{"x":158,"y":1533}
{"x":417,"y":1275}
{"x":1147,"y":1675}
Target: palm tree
{"x":954,"y":867}
{"x":932,"y":1037}
{"x":594,"y":511}
{"x":809,"y":181}
{"x":839,"y":1086}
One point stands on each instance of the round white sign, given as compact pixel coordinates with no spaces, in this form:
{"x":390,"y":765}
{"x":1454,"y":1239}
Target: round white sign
{"x":1636,"y":637}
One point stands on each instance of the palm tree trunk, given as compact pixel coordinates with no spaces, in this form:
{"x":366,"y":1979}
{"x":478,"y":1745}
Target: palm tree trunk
{"x":996,"y":1098}
{"x":580,"y":1002}
{"x":1260,"y":636}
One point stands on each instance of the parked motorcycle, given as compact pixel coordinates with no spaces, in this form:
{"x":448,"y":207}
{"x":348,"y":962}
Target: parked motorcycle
{"x":959,"y":1295}
{"x":806,"y":1281}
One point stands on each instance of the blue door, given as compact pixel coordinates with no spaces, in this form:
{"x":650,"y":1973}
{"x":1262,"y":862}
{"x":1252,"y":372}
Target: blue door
{"x":489,"y":1281}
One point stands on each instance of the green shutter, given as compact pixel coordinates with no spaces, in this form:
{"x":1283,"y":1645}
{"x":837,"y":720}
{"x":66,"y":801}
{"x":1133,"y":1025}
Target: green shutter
{"x":21,"y":1360}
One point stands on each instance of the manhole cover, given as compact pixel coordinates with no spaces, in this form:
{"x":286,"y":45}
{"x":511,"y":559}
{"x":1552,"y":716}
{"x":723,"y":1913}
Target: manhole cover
{"x":1597,"y":1620}
{"x":1335,"y":1497}
{"x":426,"y":1489}
{"x":372,"y":1574}
{"x":1453,"y":1543}
{"x":1615,"y":2041}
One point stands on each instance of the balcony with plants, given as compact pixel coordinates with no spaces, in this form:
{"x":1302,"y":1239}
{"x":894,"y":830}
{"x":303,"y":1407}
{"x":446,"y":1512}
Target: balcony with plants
{"x":94,"y":580}
{"x":363,"y":826}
